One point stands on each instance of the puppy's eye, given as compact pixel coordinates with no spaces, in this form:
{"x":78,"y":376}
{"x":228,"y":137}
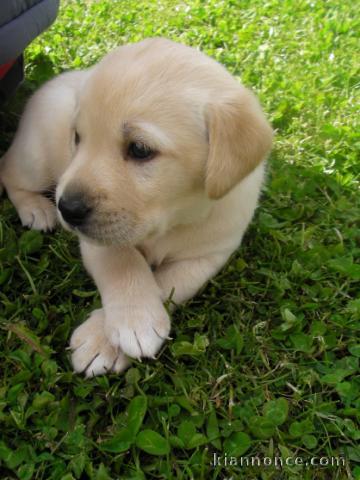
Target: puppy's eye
{"x":139,"y":151}
{"x":76,"y":138}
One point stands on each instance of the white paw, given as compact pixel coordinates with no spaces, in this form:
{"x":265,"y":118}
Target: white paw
{"x":39,"y":213}
{"x":138,"y":330}
{"x":92,"y":352}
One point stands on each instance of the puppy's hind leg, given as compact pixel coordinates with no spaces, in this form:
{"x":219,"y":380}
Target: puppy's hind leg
{"x":41,"y":150}
{"x":35,"y":210}
{"x":25,"y":190}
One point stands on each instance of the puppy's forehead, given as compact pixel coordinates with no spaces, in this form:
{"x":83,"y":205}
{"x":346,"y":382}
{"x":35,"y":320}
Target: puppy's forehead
{"x":158,"y":82}
{"x":151,"y":70}
{"x":129,"y":90}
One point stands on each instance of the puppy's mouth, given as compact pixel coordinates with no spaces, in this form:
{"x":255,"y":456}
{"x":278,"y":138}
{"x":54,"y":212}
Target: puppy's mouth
{"x":108,"y":232}
{"x":105,"y":228}
{"x":89,"y":218}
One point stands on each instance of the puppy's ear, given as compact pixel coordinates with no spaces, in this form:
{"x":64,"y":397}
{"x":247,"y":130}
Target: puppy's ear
{"x":239,"y":139}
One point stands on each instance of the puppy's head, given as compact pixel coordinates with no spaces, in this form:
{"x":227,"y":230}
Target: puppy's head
{"x":160,"y":131}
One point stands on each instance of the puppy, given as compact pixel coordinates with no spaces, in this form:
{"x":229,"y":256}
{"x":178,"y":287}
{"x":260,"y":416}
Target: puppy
{"x":157,"y":154}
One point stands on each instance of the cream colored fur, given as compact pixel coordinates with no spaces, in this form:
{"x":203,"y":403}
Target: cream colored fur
{"x":160,"y":227}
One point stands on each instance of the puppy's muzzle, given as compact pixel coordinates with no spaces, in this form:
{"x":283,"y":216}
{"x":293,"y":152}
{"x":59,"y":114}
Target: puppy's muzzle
{"x":74,"y":208}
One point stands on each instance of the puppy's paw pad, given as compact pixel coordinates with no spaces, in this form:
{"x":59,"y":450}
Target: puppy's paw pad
{"x":92,"y":352}
{"x":139,"y":332}
{"x":38,"y":214}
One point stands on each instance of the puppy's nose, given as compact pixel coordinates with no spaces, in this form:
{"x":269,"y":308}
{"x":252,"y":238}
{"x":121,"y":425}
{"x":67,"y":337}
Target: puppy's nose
{"x":74,"y":208}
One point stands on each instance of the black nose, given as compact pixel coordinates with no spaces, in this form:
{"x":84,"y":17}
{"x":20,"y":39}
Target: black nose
{"x":74,"y":208}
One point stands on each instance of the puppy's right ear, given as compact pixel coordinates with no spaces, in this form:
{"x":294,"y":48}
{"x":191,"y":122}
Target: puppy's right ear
{"x":240,"y":137}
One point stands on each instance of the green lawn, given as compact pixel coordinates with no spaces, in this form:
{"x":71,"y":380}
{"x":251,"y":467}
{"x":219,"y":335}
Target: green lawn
{"x":265,"y":361}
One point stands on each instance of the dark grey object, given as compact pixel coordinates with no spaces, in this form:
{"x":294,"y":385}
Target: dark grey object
{"x":20,"y":22}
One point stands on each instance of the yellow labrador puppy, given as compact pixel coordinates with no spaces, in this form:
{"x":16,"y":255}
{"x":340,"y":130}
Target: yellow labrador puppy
{"x":157,"y":154}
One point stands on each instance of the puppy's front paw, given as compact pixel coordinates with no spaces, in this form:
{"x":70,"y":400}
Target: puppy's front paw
{"x":138,"y":330}
{"x":38,"y":213}
{"x":92,"y":352}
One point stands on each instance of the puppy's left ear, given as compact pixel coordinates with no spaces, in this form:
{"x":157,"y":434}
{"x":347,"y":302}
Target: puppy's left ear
{"x":240,"y":137}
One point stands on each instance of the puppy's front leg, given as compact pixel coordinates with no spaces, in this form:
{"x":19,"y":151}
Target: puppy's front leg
{"x":183,"y":278}
{"x":92,"y":353}
{"x":135,"y":318}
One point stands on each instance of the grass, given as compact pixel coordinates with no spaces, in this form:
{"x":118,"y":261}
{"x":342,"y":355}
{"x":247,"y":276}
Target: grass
{"x":265,"y":361}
